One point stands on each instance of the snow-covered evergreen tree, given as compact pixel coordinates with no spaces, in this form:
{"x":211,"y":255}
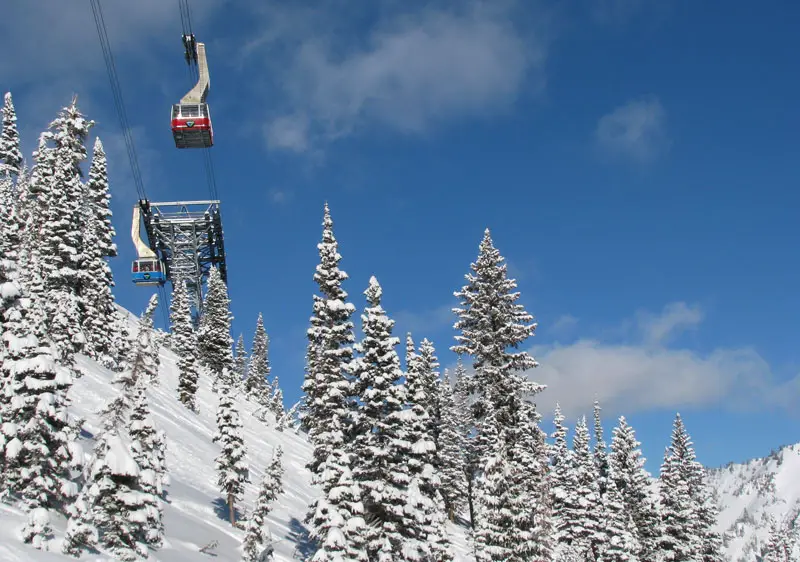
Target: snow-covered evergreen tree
{"x":63,"y":253}
{"x":491,"y":323}
{"x":682,"y":537}
{"x":99,"y":245}
{"x":276,"y":398}
{"x":563,"y":479}
{"x":32,"y":209}
{"x":428,"y":365}
{"x":37,"y":433}
{"x":271,"y":488}
{"x":141,"y":366}
{"x":777,"y":548}
{"x":240,"y":361}
{"x":256,"y":383}
{"x":381,"y":443}
{"x":184,"y":343}
{"x":688,"y":511}
{"x":600,"y":451}
{"x":214,"y":336}
{"x":336,"y":518}
{"x":429,"y":538}
{"x":621,"y":544}
{"x":231,"y":462}
{"x":451,"y":451}
{"x":12,"y":175}
{"x":149,"y":451}
{"x":330,"y":337}
{"x":586,"y":517}
{"x":121,"y":339}
{"x":626,"y":464}
{"x":10,"y":149}
{"x":114,"y":506}
{"x":466,"y":427}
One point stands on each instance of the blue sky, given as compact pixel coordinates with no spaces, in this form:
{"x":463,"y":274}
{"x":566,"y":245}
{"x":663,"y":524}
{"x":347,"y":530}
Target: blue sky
{"x":635,"y":161}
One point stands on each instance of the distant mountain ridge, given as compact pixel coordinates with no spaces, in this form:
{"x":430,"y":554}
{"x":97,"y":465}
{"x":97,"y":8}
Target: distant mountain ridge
{"x":753,"y":495}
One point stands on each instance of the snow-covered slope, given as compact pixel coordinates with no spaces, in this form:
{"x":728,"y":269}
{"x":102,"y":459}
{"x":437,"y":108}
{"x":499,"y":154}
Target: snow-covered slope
{"x":750,"y":494}
{"x":195,"y":513}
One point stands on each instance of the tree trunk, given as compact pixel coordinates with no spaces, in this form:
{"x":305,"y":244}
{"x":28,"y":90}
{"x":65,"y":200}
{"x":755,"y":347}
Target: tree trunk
{"x":231,"y":509}
{"x":470,"y":500}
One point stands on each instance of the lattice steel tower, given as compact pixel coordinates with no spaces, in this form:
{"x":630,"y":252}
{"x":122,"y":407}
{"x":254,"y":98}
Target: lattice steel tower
{"x":187,"y":236}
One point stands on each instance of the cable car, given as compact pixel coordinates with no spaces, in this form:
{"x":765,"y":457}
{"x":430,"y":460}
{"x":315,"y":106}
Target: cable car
{"x":191,"y":125}
{"x":148,"y":271}
{"x":191,"y":118}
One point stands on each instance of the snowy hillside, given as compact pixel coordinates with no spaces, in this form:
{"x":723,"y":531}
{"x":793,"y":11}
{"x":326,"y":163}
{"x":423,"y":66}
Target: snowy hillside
{"x":752,"y":495}
{"x":195,"y":514}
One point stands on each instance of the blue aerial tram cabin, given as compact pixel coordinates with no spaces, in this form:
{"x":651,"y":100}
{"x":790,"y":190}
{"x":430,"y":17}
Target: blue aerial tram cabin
{"x":148,"y":271}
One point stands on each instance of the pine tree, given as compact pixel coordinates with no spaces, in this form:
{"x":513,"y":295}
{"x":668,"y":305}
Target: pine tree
{"x":259,"y":368}
{"x":621,"y":544}
{"x":10,"y":150}
{"x":8,"y":221}
{"x":689,"y":511}
{"x":121,"y":339}
{"x":491,"y":322}
{"x":336,"y":521}
{"x":149,"y":452}
{"x":99,"y":245}
{"x":466,"y":425}
{"x":33,"y":407}
{"x":705,"y":510}
{"x":426,"y":536}
{"x":451,"y":452}
{"x":682,"y":536}
{"x":184,"y":343}
{"x":141,"y":366}
{"x":32,"y":208}
{"x":563,"y":481}
{"x":63,"y":250}
{"x":777,"y":548}
{"x":428,"y":373}
{"x":271,"y":488}
{"x":512,"y":496}
{"x":626,"y":465}
{"x":231,"y":463}
{"x":276,"y":400}
{"x":381,"y":443}
{"x":13,"y":231}
{"x":214,"y":336}
{"x":240,"y":361}
{"x":330,"y":336}
{"x":600,"y":451}
{"x":587,"y":518}
{"x":116,"y":506}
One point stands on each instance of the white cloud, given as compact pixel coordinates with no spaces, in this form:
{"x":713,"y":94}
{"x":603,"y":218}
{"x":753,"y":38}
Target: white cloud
{"x":647,"y":374}
{"x":564,"y":324}
{"x":289,"y":132}
{"x":658,"y":328}
{"x":636,"y":131}
{"x":411,"y":72}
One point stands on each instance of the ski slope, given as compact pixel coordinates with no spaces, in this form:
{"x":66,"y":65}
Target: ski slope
{"x":195,"y":513}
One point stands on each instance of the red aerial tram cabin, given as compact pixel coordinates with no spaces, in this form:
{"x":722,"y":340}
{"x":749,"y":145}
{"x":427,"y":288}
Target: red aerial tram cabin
{"x":191,"y":125}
